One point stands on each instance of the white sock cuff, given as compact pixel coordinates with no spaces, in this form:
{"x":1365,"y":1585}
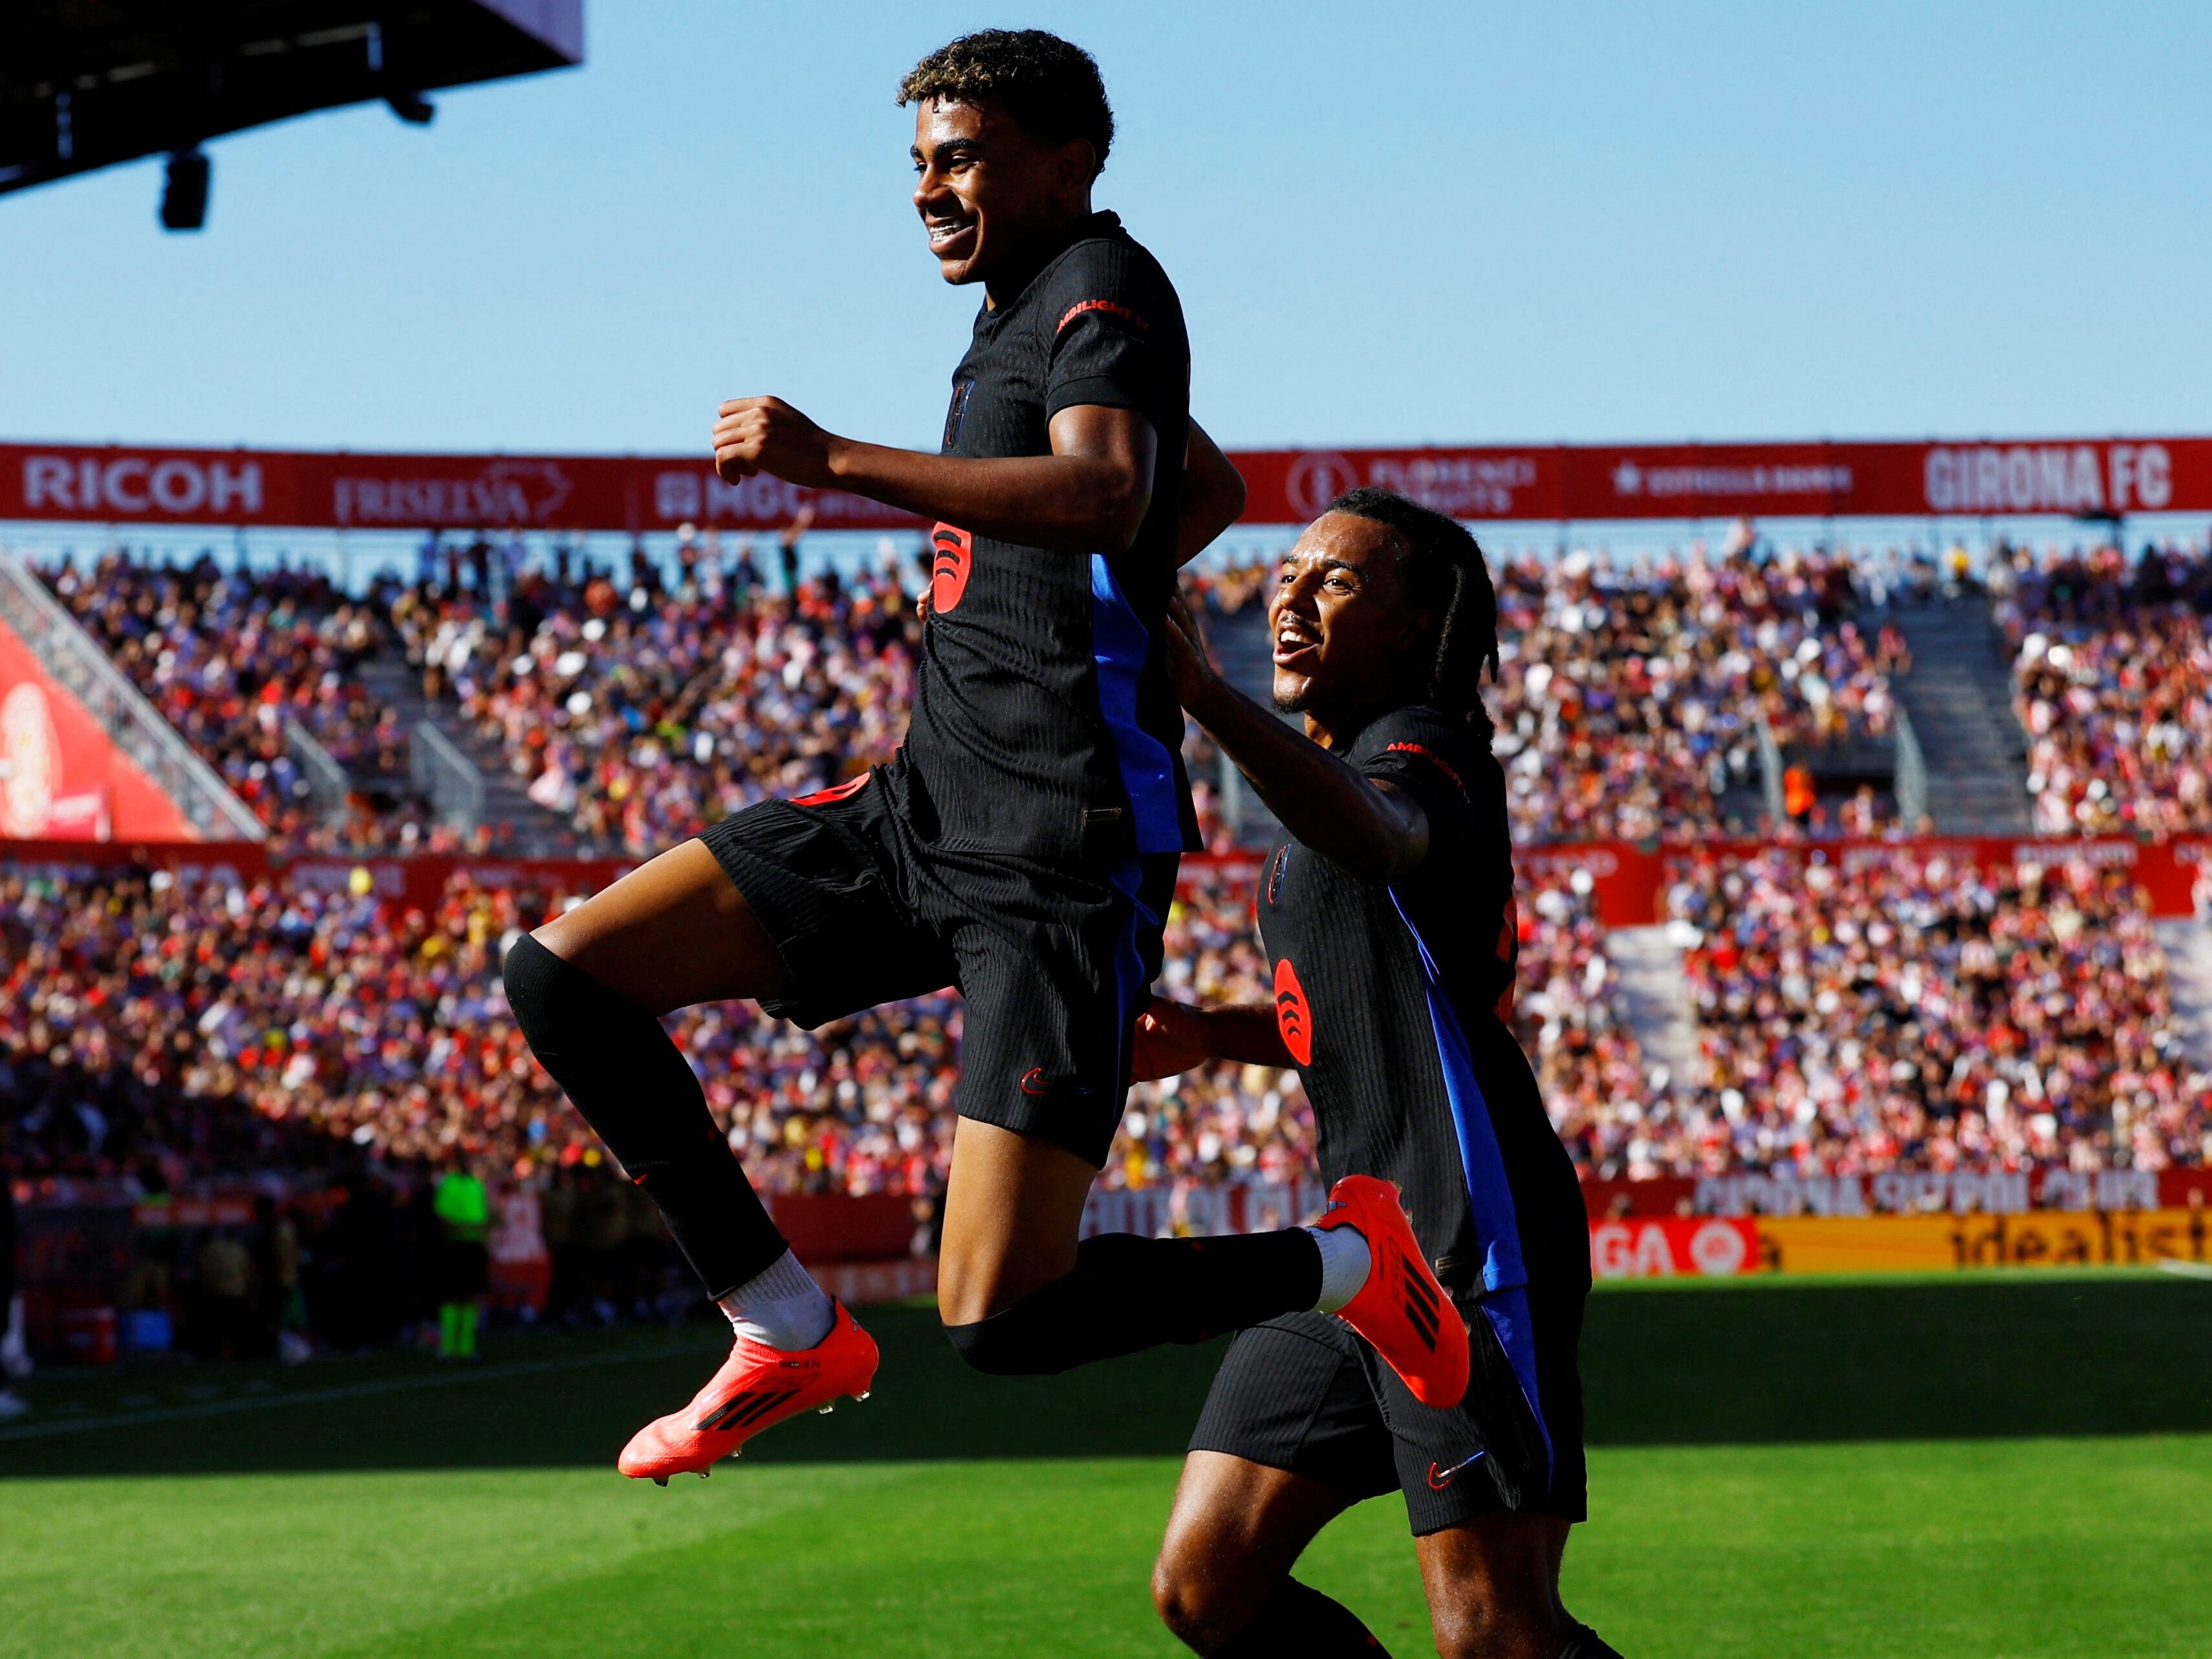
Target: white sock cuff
{"x":781,"y":1305}
{"x":1345,"y":1260}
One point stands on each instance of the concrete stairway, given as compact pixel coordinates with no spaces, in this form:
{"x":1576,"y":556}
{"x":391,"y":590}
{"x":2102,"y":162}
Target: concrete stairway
{"x":1960,"y":696}
{"x":2188,"y":945}
{"x":1658,"y":997}
{"x":394,"y":683}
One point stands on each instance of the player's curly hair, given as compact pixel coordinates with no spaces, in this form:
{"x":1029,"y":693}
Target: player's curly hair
{"x":1050,"y":85}
{"x":1449,"y":577}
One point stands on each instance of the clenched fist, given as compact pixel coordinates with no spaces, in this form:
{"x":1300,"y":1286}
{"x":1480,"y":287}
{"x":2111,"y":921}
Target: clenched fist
{"x":767,"y":434}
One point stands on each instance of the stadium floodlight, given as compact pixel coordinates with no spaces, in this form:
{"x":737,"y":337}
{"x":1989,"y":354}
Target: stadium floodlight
{"x":84,"y":86}
{"x":184,"y":190}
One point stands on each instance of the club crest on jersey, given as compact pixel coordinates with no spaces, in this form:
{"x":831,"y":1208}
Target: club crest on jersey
{"x":956,"y":415}
{"x":1293,"y":1013}
{"x":952,"y":555}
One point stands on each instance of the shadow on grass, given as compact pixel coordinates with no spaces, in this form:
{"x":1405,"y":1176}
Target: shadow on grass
{"x":1785,"y":1362}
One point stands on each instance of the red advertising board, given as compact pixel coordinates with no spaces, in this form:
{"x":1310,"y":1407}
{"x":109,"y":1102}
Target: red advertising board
{"x":62,"y":777}
{"x":1669,"y":1246}
{"x":153,"y":484}
{"x":1629,"y":881}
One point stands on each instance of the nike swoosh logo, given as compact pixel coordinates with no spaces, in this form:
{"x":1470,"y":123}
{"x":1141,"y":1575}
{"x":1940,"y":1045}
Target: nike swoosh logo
{"x":1439,"y":1479}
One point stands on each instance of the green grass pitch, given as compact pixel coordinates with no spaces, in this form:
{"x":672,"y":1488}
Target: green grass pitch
{"x":1953,"y":1468}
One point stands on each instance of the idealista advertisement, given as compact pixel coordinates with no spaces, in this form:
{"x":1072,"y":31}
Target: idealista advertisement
{"x":1724,"y":1247}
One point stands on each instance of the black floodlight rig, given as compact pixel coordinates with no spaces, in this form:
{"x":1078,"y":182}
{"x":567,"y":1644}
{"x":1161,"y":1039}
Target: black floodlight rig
{"x":88,"y":84}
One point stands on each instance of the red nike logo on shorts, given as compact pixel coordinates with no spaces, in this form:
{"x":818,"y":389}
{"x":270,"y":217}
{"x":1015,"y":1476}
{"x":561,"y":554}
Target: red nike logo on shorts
{"x":1439,"y":1479}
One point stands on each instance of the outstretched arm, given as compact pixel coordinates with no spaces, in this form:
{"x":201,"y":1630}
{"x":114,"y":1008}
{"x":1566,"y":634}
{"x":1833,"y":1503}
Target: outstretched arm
{"x":1367,"y":826}
{"x":1172,"y":1037}
{"x":1088,"y":495}
{"x":1212,"y":495}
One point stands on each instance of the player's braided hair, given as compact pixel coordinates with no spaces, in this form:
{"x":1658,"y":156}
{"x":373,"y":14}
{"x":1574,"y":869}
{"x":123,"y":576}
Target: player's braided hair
{"x":1446,"y":572}
{"x":1050,"y":85}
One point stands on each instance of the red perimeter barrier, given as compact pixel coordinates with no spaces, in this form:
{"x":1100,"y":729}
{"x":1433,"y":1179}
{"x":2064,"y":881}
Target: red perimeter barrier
{"x":1629,"y":881}
{"x":164,"y":484}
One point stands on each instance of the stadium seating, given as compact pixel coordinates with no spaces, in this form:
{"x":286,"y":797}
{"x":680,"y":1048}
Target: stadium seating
{"x":1628,"y":703}
{"x":227,"y":659}
{"x":1920,"y":1013}
{"x":2031,"y":1020}
{"x":2112,"y":670}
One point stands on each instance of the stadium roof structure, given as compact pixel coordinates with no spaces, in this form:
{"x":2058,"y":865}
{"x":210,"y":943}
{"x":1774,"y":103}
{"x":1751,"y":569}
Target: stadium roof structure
{"x":88,"y":83}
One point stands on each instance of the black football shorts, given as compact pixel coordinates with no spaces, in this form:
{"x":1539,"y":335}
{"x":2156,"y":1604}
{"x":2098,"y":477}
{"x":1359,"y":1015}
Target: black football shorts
{"x":1305,"y":1393}
{"x":1053,"y":960}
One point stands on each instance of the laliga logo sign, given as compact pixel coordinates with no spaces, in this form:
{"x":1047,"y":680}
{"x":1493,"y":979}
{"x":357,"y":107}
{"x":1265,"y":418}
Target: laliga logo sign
{"x":1318,"y":478}
{"x":30,"y":761}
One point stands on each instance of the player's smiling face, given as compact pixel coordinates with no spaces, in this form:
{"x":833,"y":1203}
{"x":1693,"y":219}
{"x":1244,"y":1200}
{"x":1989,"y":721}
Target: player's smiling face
{"x":984,"y":188}
{"x":1345,"y":629}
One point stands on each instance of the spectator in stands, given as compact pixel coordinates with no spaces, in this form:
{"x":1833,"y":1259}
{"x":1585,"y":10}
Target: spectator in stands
{"x":2113,"y":673}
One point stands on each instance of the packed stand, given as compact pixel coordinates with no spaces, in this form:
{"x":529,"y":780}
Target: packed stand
{"x":1613,"y":1107}
{"x":1627,"y":704}
{"x":2112,"y":683}
{"x":1223,"y":1122}
{"x":228,"y":658}
{"x":641,"y":713}
{"x":168,"y":1032}
{"x":1918,"y":1012}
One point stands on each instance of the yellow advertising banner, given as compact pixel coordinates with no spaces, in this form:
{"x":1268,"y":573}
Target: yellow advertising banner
{"x":2034,"y":1238}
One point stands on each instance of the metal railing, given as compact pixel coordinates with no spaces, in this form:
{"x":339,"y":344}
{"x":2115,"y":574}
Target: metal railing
{"x":328,"y":782}
{"x":78,"y":665}
{"x":1910,"y":785}
{"x":447,"y":778}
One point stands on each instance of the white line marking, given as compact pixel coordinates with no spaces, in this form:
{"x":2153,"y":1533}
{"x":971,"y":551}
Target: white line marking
{"x":2187,"y":1269}
{"x":350,"y":1391}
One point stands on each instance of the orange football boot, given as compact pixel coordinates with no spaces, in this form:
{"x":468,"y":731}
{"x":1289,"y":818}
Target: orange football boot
{"x":1401,"y":1311}
{"x":756,"y":1388}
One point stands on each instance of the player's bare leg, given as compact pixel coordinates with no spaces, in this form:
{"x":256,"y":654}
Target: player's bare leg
{"x":672,"y":933}
{"x":1013,"y":1205}
{"x":588,"y":989}
{"x":1223,"y":1582}
{"x":1493,"y":1591}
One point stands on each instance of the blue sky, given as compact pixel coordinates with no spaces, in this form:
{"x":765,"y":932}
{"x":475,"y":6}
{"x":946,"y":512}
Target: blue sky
{"x":1387,"y":223}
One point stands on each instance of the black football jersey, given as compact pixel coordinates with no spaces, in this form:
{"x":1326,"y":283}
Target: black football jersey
{"x":1387,"y":996}
{"x":1044,"y":723}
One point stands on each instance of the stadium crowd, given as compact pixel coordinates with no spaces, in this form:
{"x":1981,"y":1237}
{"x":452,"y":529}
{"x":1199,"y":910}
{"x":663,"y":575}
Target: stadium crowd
{"x":642,"y":717}
{"x":2113,"y":678}
{"x":230,"y":658}
{"x":1915,"y":1011}
{"x":161,"y":1032}
{"x":1628,"y":703}
{"x":637,"y":710}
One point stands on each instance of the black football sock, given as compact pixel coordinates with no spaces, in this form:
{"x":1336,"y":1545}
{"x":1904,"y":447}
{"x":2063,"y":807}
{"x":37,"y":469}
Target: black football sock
{"x":1299,"y":1622}
{"x":1128,"y":1293}
{"x":634,"y":1086}
{"x":1583,"y":1642}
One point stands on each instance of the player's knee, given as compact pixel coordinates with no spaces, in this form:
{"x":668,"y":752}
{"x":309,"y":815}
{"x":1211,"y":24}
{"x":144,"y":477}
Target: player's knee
{"x":1481,"y":1627}
{"x":1000,"y":1345}
{"x":1189,"y":1605}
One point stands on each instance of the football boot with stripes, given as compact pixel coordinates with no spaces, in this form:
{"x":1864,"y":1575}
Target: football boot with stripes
{"x":757,"y":1388}
{"x":1401,"y":1311}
